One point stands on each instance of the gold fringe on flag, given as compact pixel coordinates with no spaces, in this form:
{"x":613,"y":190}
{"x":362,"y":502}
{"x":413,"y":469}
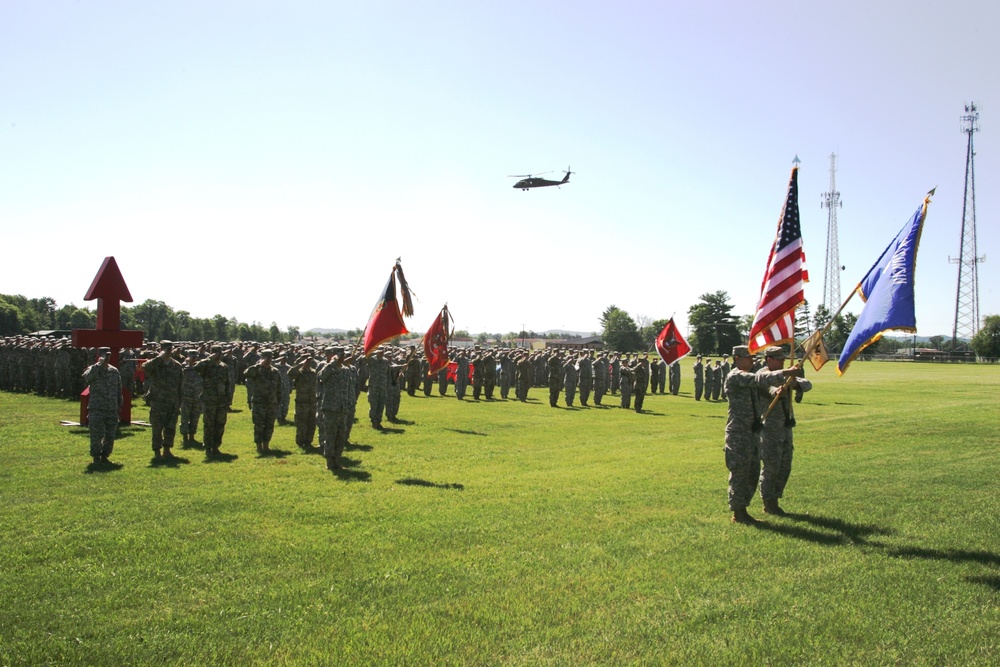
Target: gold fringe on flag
{"x":404,"y":288}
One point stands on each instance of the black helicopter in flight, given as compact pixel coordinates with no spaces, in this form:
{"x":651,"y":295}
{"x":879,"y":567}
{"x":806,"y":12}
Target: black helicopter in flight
{"x":532,"y":181}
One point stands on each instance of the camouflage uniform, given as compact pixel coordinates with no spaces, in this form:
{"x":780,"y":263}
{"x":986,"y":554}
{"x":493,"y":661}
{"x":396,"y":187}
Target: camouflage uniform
{"x":335,"y":387}
{"x":570,"y":376}
{"x":378,"y":386}
{"x":616,"y":374}
{"x":286,"y":390}
{"x":506,"y":374}
{"x":489,"y":374}
{"x":742,"y":433}
{"x":625,"y":384}
{"x":166,"y":378}
{"x":555,"y":380}
{"x":675,"y":377}
{"x":265,"y":382}
{"x":461,"y":375}
{"x":640,"y":383}
{"x":523,"y":378}
{"x":103,"y":407}
{"x":600,"y":378}
{"x":699,"y":379}
{"x":586,"y":385}
{"x":191,"y":391}
{"x":776,"y":442}
{"x":215,"y":398}
{"x":306,"y":387}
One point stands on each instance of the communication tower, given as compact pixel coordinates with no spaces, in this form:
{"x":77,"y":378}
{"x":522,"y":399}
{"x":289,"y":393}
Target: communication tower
{"x":967,"y":297}
{"x":831,"y":274}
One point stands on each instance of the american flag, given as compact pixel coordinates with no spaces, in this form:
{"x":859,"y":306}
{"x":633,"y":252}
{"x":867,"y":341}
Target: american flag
{"x":782,"y":289}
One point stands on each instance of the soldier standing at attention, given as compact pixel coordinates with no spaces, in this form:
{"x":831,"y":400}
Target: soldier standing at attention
{"x":616,"y":372}
{"x":461,"y":375}
{"x":378,"y":384}
{"x":600,"y":377}
{"x":506,"y":373}
{"x":726,"y":367}
{"x":105,"y":403}
{"x":743,"y":429}
{"x":303,"y":377}
{"x":654,"y":376}
{"x":412,"y":371}
{"x":166,"y":378}
{"x":523,"y":376}
{"x":570,"y":375}
{"x":555,"y":379}
{"x":675,"y":377}
{"x":335,"y":387}
{"x":286,"y":388}
{"x":191,"y":391}
{"x":625,"y":378}
{"x":489,"y":373}
{"x":265,"y":380}
{"x":699,"y":378}
{"x":640,"y":381}
{"x":776,"y":446}
{"x":586,"y":381}
{"x":216,"y":397}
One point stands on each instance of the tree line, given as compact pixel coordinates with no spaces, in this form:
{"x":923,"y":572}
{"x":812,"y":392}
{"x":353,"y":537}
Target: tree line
{"x":157,"y":320}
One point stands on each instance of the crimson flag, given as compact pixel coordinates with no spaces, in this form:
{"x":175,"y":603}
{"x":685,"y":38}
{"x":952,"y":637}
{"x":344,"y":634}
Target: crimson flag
{"x":783,"y":287}
{"x":436,"y":343}
{"x":671,"y":345}
{"x":386,"y":321}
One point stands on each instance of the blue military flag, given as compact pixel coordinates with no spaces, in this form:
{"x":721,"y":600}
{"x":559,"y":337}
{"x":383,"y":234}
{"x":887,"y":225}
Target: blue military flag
{"x":887,"y":290}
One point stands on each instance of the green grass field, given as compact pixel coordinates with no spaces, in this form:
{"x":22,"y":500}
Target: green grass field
{"x":515,"y":534}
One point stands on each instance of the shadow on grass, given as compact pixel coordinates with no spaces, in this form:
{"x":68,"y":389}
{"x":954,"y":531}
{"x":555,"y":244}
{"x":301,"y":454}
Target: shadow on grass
{"x":192,"y":445}
{"x":853,"y":534}
{"x":392,"y":431}
{"x":404,"y":422}
{"x":412,"y":481}
{"x":709,"y":416}
{"x":354,"y":447}
{"x":464,"y":432}
{"x":953,"y":555}
{"x":110,"y":466}
{"x":221,"y":457}
{"x":992,"y":582}
{"x":168,"y":462}
{"x":348,"y":474}
{"x":274,"y":454}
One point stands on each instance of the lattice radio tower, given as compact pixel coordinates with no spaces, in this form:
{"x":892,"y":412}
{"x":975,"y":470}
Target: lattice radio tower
{"x":967,"y":297}
{"x":831,"y":274}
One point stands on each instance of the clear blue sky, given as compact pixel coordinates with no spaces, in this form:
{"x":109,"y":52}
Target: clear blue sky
{"x":269,"y":161}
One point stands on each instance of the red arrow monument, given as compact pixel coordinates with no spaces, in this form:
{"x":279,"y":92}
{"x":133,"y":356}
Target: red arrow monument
{"x":110,"y":290}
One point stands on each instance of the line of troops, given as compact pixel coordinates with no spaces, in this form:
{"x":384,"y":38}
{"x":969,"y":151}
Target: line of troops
{"x":53,"y":367}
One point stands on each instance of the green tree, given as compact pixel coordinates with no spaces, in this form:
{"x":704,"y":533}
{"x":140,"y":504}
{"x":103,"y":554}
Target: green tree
{"x":620,"y":331}
{"x":10,"y":318}
{"x":986,"y":343}
{"x":715,"y":328}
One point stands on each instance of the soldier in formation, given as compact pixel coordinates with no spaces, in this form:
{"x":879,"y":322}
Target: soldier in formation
{"x":166,"y":379}
{"x":104,"y":405}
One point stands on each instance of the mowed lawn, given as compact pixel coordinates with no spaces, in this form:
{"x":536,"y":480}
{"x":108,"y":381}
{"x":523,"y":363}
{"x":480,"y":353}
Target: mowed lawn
{"x":502,"y":533}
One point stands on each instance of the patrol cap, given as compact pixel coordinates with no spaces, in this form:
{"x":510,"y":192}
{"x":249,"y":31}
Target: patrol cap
{"x":267,"y":353}
{"x":101,"y":351}
{"x":167,"y":344}
{"x":192,"y":353}
{"x":216,"y":348}
{"x":335,"y":350}
{"x":741,"y":351}
{"x":775,"y":352}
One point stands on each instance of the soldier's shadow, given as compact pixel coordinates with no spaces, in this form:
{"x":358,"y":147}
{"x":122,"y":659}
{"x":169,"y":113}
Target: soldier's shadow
{"x":102,"y":467}
{"x":404,"y":422}
{"x":353,"y":447}
{"x":412,"y":481}
{"x":221,"y":457}
{"x":274,"y":454}
{"x":347,"y":472}
{"x":464,"y":432}
{"x":168,"y":462}
{"x":391,"y":431}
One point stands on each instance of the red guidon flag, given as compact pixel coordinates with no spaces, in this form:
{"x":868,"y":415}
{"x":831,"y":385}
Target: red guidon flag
{"x":783,"y":287}
{"x":670,"y":345}
{"x":386,"y":320}
{"x":436,"y":343}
